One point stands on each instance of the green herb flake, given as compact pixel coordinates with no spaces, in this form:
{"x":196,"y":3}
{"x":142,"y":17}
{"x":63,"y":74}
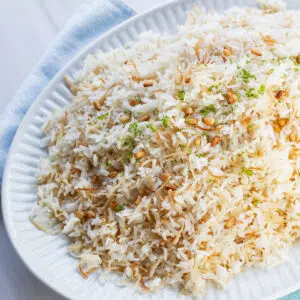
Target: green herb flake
{"x":247,"y":172}
{"x":208,"y":109}
{"x":233,"y":107}
{"x":181,"y":95}
{"x":107,"y":163}
{"x":262,"y":89}
{"x":119,"y":207}
{"x":103,"y":117}
{"x":165,"y":120}
{"x":127,"y":158}
{"x":128,"y":142}
{"x":199,"y":155}
{"x":246,"y":75}
{"x":279,"y":60}
{"x":151,"y":127}
{"x":134,"y":129}
{"x":215,"y":88}
{"x":255,"y":202}
{"x":251,"y":93}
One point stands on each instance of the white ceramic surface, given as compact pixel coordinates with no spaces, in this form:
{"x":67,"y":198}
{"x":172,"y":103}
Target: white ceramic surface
{"x":46,"y":256}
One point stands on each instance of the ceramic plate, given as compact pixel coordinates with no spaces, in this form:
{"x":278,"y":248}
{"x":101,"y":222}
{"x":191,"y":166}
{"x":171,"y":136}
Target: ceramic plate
{"x":46,"y":256}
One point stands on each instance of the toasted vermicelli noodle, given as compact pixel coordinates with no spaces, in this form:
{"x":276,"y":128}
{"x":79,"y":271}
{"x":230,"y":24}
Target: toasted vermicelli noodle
{"x":178,"y":160}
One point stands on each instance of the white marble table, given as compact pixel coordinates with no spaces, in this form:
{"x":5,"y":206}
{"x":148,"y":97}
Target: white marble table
{"x":26,"y":29}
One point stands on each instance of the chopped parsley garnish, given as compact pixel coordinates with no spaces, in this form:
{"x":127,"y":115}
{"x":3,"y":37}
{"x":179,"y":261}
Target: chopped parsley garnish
{"x":151,"y":127}
{"x":165,"y":120}
{"x":255,"y":202}
{"x":107,"y":163}
{"x":247,"y":172}
{"x":119,"y":207}
{"x":127,"y":111}
{"x":102,"y":117}
{"x":181,"y":95}
{"x":233,"y":107}
{"x":128,"y":142}
{"x":208,"y":109}
{"x":215,"y":88}
{"x":251,"y":93}
{"x":262,"y":89}
{"x":199,"y":155}
{"x":134,"y":129}
{"x":278,"y":61}
{"x":127,"y":158}
{"x":246,"y":75}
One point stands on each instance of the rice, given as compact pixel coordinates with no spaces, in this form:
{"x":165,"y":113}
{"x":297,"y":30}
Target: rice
{"x":178,"y":161}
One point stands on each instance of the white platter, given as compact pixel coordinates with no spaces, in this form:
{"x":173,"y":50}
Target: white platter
{"x":46,"y":256}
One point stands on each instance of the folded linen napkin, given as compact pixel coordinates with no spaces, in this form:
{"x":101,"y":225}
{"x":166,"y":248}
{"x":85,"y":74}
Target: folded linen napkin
{"x":85,"y":26}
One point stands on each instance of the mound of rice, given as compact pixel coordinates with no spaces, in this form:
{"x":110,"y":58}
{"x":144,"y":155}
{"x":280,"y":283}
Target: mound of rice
{"x":178,"y":160}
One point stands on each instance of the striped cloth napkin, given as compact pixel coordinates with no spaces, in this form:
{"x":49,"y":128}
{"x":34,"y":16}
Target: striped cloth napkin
{"x":85,"y":26}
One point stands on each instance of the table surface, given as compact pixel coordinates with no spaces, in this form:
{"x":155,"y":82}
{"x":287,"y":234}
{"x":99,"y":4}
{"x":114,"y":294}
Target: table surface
{"x":26,"y":30}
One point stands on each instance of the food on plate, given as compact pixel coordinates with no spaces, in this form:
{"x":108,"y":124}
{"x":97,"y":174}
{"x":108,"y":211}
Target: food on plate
{"x":177,"y":162}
